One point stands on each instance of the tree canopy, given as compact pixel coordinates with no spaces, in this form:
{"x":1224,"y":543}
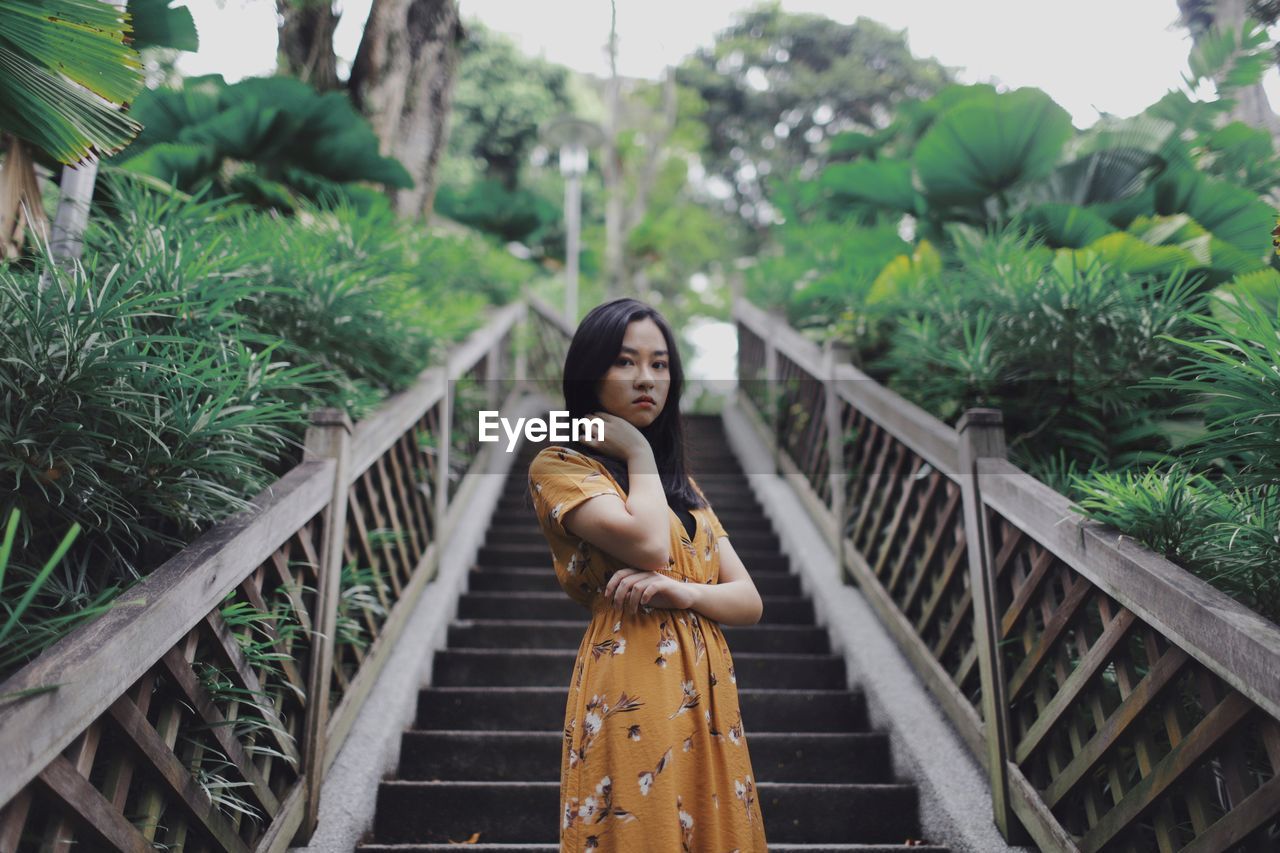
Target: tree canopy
{"x":777,"y":85}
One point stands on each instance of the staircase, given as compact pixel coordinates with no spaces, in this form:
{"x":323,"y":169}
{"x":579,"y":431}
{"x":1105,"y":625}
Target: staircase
{"x":483,"y":757}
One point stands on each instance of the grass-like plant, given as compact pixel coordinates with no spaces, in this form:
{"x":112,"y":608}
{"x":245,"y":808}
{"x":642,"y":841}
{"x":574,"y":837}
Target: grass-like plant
{"x":1058,"y":347}
{"x":153,"y":389}
{"x":1221,"y":522}
{"x":1231,"y":377}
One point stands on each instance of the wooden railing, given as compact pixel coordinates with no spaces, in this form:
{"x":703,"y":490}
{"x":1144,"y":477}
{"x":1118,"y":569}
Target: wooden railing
{"x":547,"y":346}
{"x":1116,"y":701}
{"x":204,"y":709}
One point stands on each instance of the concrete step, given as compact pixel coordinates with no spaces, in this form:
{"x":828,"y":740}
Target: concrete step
{"x":567,"y":634}
{"x":743,"y":539}
{"x":785,"y":609}
{"x":498,"y":556}
{"x":554,"y":848}
{"x":552,"y":667}
{"x":537,"y":579}
{"x":516,"y":756}
{"x":542,"y":709}
{"x":722,"y":502}
{"x":417,"y":811}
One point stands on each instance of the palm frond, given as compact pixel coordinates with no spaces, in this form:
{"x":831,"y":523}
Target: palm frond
{"x":67,"y":69}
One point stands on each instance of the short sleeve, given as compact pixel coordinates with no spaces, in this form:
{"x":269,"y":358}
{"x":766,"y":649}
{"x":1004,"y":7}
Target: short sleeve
{"x":561,"y":478}
{"x":717,"y":529}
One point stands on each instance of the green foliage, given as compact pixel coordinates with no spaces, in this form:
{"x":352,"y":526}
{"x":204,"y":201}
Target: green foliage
{"x":39,"y":605}
{"x":1229,"y":538}
{"x":1231,"y":59}
{"x":156,"y":24}
{"x":817,"y":272}
{"x":522,"y":214}
{"x":153,"y":390}
{"x":778,"y":86}
{"x":1056,"y":346}
{"x":1232,"y":377}
{"x":272,"y":141}
{"x":987,"y":144}
{"x":500,"y":100}
{"x":65,"y":70}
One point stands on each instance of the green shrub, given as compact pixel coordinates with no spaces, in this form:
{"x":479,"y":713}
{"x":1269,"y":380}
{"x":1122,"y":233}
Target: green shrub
{"x":152,"y":390}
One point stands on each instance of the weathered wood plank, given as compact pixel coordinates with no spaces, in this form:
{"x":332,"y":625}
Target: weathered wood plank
{"x":907,"y":547}
{"x":77,"y":795}
{"x":234,"y":656}
{"x":1057,"y":621}
{"x":937,"y":679}
{"x":1255,"y":811}
{"x":1069,"y":692}
{"x":344,"y":715}
{"x":927,"y":436}
{"x":1207,"y":733}
{"x":203,"y":704}
{"x":176,"y":778}
{"x":373,"y":435}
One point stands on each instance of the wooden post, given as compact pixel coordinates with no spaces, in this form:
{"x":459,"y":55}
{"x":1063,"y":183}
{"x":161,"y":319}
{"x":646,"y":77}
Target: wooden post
{"x":493,"y":374}
{"x":835,"y":446}
{"x":982,"y":436}
{"x":328,"y":437}
{"x":771,"y":394}
{"x":522,"y":339}
{"x":444,"y":443}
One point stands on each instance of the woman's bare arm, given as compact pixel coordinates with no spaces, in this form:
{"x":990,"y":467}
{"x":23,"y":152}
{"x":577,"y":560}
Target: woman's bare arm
{"x":637,"y":531}
{"x":734,"y":600}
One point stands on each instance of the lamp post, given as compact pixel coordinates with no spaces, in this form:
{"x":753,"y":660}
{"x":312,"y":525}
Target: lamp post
{"x":572,"y":136}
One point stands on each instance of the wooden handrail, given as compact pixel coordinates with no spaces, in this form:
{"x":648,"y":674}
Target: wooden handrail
{"x":549,"y":314}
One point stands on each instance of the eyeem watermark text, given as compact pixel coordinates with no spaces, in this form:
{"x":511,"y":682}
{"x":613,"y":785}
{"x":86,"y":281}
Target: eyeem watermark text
{"x":560,"y":428}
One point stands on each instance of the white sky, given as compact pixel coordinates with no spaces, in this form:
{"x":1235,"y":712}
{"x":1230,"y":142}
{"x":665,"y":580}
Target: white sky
{"x":1116,"y":56}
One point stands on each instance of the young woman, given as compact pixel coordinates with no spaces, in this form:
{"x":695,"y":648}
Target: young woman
{"x":654,"y":756}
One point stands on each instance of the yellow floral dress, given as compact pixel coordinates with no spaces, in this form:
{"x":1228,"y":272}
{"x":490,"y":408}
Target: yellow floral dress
{"x":654,"y":756}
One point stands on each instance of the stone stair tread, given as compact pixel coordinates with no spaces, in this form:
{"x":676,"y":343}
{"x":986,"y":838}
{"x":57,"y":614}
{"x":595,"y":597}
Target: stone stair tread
{"x":820,"y":709}
{"x":510,"y":811}
{"x":518,"y":754}
{"x":553,"y":848}
{"x":567,"y":634}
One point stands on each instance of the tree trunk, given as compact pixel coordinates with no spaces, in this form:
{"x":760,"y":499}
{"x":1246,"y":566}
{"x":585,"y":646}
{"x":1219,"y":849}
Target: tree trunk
{"x":306,"y":42}
{"x":20,"y":205}
{"x":1251,"y":104}
{"x":402,"y":80}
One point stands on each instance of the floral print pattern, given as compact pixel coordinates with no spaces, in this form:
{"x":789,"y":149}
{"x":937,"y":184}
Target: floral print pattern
{"x":652,"y":697}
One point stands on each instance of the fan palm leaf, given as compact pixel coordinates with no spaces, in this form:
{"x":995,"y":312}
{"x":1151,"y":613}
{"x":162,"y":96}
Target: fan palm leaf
{"x":66,"y":69}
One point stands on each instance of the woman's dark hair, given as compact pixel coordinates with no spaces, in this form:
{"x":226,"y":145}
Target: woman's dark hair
{"x":595,"y":346}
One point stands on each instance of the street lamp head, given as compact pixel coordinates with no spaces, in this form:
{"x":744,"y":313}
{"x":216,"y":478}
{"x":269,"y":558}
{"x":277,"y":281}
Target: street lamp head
{"x":573,"y":136}
{"x":573,"y":160}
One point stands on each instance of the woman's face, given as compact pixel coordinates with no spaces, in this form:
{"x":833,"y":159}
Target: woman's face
{"x":641,"y":369}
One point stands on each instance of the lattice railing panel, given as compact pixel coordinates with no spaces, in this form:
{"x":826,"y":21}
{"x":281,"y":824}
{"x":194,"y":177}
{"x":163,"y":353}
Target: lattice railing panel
{"x":753,"y":380}
{"x":1132,"y":743}
{"x":905,"y":519}
{"x":201,"y":751}
{"x":548,"y":337}
{"x":801,"y":429}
